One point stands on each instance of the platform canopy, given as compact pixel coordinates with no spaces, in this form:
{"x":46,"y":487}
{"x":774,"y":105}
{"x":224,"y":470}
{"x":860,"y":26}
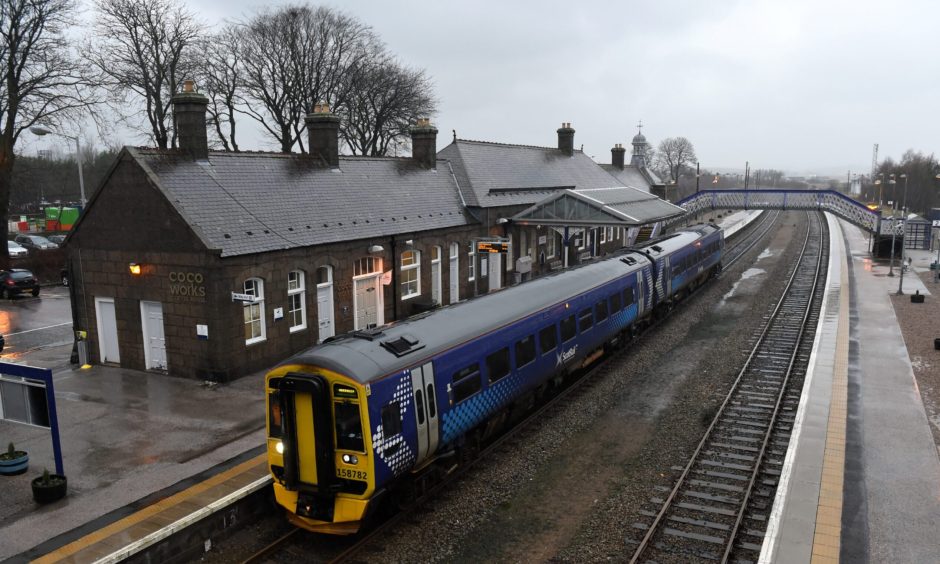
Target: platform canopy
{"x":617,"y":206}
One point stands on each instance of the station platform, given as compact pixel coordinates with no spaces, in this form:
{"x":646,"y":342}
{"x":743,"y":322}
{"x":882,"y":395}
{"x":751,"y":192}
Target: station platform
{"x":139,"y":450}
{"x":861,"y":478}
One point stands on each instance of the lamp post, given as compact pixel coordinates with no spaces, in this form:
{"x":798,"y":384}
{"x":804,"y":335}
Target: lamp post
{"x":903,"y":239}
{"x":78,"y":156}
{"x":698,"y":176}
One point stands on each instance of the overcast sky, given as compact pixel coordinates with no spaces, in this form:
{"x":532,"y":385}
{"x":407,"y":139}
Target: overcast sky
{"x":800,"y":85}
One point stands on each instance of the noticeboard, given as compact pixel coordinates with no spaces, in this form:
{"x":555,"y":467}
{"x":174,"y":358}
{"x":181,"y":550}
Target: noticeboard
{"x":493,"y":246}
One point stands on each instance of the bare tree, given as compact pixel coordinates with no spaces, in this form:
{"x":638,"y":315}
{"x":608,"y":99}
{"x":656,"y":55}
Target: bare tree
{"x":673,"y":154}
{"x":385,"y":99}
{"x":294,"y":57}
{"x":142,"y":50}
{"x":42,"y":83}
{"x":220,"y":76}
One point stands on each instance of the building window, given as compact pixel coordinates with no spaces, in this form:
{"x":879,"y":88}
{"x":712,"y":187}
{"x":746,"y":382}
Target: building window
{"x":410,"y":274}
{"x":603,"y":231}
{"x":582,"y":239}
{"x":296,"y":298}
{"x":367,"y":265}
{"x":550,"y":244}
{"x":472,"y":259}
{"x":254,"y":311}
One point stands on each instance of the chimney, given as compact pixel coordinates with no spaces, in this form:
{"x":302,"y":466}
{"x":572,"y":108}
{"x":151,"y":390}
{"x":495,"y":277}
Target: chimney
{"x":189,"y":113}
{"x":424,"y":143}
{"x":616,"y":155}
{"x":566,"y":139}
{"x":323,"y":134}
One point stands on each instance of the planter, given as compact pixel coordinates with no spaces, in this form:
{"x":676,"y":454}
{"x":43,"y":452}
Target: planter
{"x":917,"y":298}
{"x":11,"y":465}
{"x":49,"y":488}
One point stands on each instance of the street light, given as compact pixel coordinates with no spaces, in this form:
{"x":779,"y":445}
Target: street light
{"x":78,"y":155}
{"x":903,"y":239}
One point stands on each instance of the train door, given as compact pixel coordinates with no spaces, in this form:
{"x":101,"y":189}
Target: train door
{"x":639,"y":294}
{"x":667,"y":276}
{"x":422,"y":381}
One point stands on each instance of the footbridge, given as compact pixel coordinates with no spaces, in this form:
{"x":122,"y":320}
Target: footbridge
{"x":822,"y":200}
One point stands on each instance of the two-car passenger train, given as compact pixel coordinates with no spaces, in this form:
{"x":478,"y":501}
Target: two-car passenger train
{"x":372,"y":413}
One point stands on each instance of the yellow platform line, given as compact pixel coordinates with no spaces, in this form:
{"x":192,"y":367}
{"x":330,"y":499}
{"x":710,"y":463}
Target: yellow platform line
{"x":168,"y":503}
{"x":828,"y":534}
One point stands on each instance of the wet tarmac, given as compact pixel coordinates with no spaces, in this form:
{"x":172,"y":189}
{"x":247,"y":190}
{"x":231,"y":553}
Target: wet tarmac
{"x":29,"y":323}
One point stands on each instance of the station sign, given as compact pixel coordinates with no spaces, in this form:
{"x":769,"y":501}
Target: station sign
{"x":247,"y":298}
{"x":493,"y":246}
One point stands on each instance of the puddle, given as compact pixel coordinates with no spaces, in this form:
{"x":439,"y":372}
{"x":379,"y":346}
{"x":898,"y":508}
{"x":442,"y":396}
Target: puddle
{"x":749,"y":273}
{"x":766,"y":253}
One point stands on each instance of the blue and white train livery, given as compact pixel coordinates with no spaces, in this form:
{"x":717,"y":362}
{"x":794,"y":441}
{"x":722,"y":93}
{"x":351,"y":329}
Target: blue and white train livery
{"x":371,"y":413}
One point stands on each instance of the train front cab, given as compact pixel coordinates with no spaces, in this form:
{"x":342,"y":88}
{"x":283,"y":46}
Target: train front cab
{"x":317,"y":448}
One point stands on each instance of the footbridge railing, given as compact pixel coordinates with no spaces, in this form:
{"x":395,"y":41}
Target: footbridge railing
{"x":823,"y":200}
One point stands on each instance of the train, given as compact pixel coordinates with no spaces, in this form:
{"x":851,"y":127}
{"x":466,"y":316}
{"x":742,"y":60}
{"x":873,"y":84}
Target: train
{"x":368,"y":418}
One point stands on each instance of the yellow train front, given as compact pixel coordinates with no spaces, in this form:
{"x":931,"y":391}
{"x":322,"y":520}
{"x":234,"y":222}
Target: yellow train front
{"x":317,"y":450}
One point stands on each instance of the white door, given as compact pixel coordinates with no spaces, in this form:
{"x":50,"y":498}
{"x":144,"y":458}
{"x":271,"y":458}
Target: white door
{"x":367,"y":302}
{"x":454,"y":273}
{"x":496,"y":271}
{"x":107,"y":330}
{"x":436,"y":275}
{"x":151,"y":314}
{"x":325,"y":324}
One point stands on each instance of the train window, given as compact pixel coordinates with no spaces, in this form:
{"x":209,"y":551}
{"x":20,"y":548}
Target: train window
{"x":548,"y":339}
{"x":585,"y":320}
{"x":615,"y":303}
{"x":432,"y":407}
{"x":628,"y":296}
{"x":466,"y":382}
{"x":569,"y":328}
{"x":391,"y":419}
{"x":419,"y":406}
{"x":497,"y":364}
{"x":348,"y":426}
{"x":600,"y":311}
{"x":275,"y":428}
{"x":525,"y":351}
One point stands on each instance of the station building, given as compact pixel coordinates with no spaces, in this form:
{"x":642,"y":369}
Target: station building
{"x":210,"y":264}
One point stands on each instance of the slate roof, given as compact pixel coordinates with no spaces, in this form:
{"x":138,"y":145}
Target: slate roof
{"x":599,"y":206}
{"x":244,"y":203}
{"x":498,"y":174}
{"x":633,"y":176}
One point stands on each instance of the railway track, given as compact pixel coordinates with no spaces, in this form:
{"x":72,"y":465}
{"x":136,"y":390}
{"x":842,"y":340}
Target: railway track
{"x":718,"y":508}
{"x":320,"y":550}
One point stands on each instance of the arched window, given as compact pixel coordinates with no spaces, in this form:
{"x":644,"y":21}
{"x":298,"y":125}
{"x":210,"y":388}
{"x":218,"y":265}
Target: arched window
{"x":410,"y":274}
{"x":254,"y":311}
{"x":297,"y":300}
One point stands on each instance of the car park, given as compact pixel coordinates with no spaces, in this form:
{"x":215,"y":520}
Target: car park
{"x":16,"y":250}
{"x":17,"y":281}
{"x":35,"y":242}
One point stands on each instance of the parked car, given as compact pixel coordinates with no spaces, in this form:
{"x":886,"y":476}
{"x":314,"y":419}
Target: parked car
{"x":36,"y":242}
{"x":16,"y":250}
{"x":57,"y":239}
{"x":16,"y":281}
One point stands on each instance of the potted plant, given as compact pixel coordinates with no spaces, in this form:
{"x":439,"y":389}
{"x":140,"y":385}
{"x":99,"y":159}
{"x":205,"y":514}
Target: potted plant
{"x":49,"y":487}
{"x":13,"y":462}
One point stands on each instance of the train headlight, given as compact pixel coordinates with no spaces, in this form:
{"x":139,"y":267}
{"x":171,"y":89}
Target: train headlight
{"x":279,"y":447}
{"x":350,"y":459}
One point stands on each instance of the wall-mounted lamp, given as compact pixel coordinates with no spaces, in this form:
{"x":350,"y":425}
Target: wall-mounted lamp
{"x":502,"y":221}
{"x":376,"y":249}
{"x":134,"y":268}
{"x":410,"y":243}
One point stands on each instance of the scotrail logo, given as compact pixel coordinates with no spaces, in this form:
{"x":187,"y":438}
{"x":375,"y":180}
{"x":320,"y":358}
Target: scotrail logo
{"x":565,"y":356}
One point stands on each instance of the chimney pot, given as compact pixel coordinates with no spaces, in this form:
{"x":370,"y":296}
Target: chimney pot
{"x":323,"y":134}
{"x":617,"y":155}
{"x":424,"y":143}
{"x":566,"y":138}
{"x":189,"y":116}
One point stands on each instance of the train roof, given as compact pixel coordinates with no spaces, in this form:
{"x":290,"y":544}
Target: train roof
{"x":370,"y":355}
